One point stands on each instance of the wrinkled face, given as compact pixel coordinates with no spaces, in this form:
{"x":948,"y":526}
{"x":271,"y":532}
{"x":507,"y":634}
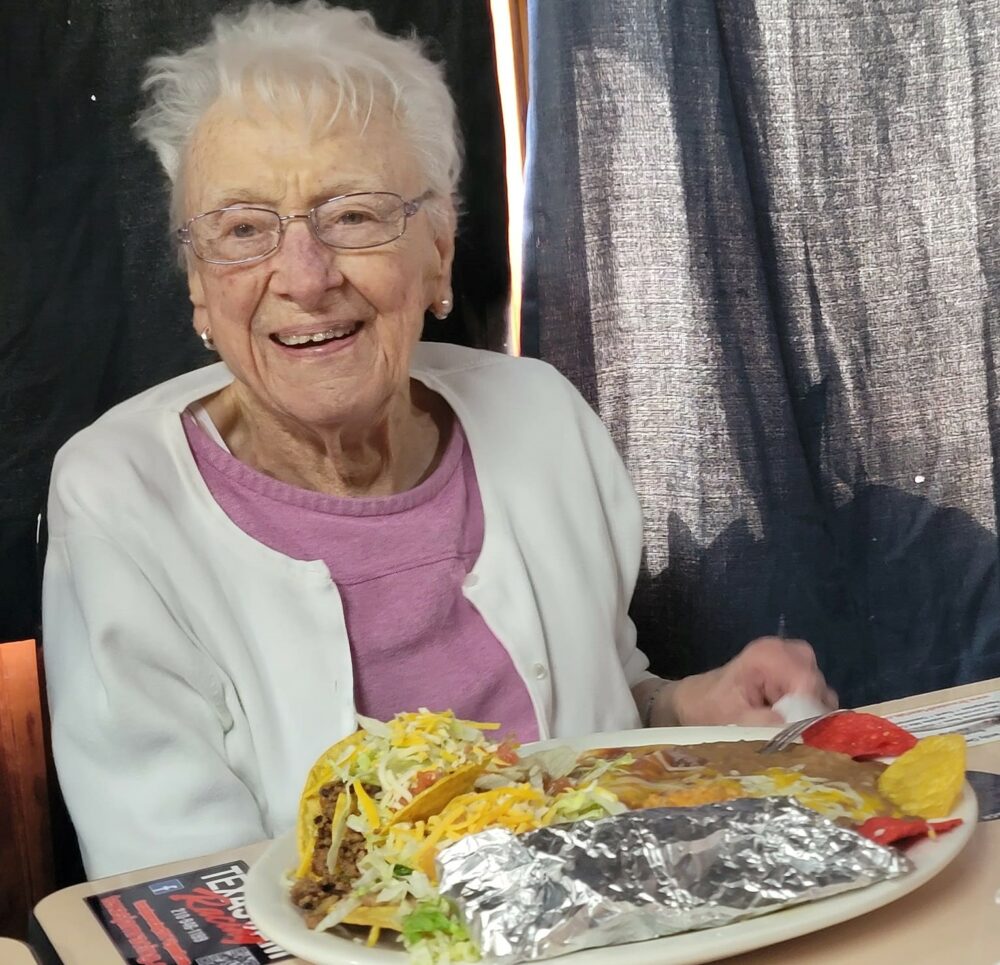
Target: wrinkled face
{"x":370,"y":303}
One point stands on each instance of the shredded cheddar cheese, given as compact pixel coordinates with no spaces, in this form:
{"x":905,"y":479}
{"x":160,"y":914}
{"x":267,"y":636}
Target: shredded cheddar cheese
{"x":366,"y":804}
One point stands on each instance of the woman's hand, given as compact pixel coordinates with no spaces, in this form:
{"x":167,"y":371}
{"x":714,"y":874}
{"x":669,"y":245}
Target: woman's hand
{"x":744,"y":690}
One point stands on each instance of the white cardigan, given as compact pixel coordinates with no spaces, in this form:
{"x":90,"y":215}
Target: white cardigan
{"x":194,"y":674}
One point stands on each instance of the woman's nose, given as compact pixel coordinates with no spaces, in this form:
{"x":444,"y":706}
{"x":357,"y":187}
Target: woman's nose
{"x":304,"y":269}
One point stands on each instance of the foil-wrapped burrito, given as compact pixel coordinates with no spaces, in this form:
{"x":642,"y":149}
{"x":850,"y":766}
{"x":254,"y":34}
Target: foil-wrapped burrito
{"x":646,"y":874}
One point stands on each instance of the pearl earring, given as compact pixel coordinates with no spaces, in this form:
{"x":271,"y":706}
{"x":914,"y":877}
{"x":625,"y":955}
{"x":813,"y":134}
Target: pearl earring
{"x":444,"y":311}
{"x":206,"y":339}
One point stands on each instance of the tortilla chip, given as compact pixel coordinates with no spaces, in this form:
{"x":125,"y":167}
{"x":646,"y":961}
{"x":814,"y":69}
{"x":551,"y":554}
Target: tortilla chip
{"x":927,"y":780}
{"x":859,"y":735}
{"x":887,"y":830}
{"x":377,"y":916}
{"x":437,"y":797}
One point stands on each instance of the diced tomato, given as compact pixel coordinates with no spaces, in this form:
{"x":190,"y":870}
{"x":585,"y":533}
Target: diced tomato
{"x":559,"y":785}
{"x":423,"y":781}
{"x":859,"y":735}
{"x":887,"y":830}
{"x":507,"y":752}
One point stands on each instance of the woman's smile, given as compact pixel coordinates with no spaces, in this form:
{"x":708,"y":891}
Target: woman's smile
{"x":313,"y":341}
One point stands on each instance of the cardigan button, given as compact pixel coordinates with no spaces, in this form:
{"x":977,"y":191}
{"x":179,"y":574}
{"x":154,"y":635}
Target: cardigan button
{"x":470,"y":581}
{"x":540,"y":671}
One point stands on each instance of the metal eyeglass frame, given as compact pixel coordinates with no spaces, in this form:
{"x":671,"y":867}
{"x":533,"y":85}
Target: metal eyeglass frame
{"x":410,"y":208}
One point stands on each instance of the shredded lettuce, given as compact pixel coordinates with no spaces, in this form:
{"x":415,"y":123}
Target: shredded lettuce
{"x":434,"y":935}
{"x":397,"y":752}
{"x":581,"y":803}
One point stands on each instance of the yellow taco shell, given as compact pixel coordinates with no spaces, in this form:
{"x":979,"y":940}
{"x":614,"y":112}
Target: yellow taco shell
{"x":309,"y":807}
{"x":435,"y":798}
{"x":377,"y":916}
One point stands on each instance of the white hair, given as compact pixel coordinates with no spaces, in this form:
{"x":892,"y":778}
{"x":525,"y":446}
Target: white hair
{"x":321,"y":59}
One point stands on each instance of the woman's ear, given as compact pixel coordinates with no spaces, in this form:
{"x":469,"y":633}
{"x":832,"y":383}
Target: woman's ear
{"x":439,"y":281}
{"x":445,"y":244}
{"x":196,"y":292}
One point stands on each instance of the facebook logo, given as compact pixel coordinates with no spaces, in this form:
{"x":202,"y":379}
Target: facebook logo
{"x":163,"y":887}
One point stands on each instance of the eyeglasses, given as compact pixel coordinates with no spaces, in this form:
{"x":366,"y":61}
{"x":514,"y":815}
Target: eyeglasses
{"x":244,"y":233}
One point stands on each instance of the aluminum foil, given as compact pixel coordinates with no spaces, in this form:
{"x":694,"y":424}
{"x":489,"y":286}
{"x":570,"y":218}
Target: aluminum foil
{"x":646,"y":874}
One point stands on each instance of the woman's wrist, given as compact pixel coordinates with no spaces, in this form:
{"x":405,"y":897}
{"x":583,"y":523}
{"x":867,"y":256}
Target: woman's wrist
{"x":656,"y":703}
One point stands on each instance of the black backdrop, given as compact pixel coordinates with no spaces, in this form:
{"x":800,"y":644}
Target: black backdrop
{"x":92,"y":306}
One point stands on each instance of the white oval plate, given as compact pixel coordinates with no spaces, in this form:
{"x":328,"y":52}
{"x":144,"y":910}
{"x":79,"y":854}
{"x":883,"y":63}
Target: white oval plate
{"x":275,"y":916}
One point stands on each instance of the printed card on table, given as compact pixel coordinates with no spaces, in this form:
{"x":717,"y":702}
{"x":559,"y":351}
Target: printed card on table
{"x":195,"y":918}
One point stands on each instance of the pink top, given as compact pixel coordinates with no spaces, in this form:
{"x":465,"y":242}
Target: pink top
{"x":399,"y":563}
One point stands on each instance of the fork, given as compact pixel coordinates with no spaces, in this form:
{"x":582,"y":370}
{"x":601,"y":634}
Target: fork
{"x":790,"y":734}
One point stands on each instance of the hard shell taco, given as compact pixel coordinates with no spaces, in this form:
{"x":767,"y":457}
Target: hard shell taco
{"x":379,"y":805}
{"x":403,"y":770}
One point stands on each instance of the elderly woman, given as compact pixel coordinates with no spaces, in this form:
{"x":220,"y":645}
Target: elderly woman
{"x":334,"y":518}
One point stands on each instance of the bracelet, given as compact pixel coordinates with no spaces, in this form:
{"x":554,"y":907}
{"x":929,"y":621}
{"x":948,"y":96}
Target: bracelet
{"x":647,"y":709}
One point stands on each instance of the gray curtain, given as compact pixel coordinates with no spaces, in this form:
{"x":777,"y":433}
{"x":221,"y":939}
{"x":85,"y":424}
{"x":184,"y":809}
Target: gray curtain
{"x":764,"y":244}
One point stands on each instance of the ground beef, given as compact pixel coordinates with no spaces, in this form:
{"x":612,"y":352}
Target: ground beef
{"x":328,"y":796}
{"x":314,"y":894}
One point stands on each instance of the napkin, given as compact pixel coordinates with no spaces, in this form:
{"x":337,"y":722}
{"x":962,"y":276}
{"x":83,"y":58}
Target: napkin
{"x":793,"y":707}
